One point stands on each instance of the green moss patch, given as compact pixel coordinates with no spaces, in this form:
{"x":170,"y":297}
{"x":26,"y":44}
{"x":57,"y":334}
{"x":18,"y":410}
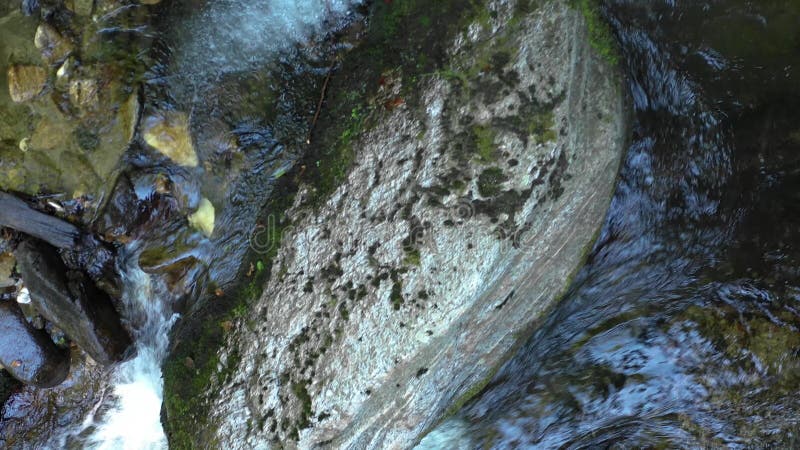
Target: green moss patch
{"x":484,"y":143}
{"x":600,"y":35}
{"x":542,"y":127}
{"x":490,"y":182}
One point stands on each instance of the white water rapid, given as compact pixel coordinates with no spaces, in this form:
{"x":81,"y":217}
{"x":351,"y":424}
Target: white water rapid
{"x":128,"y":417}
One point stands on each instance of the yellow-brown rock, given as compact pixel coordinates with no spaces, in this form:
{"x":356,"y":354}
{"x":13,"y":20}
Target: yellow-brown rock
{"x":168,"y":132}
{"x":54,"y":47}
{"x":203,"y":218}
{"x":26,"y":82}
{"x":84,"y":93}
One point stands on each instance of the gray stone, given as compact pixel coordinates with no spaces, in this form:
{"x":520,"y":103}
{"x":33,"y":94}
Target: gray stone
{"x":460,"y":225}
{"x":28,"y":354}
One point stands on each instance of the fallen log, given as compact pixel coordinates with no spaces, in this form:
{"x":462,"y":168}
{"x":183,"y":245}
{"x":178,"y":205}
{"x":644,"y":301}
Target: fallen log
{"x":16,"y":214}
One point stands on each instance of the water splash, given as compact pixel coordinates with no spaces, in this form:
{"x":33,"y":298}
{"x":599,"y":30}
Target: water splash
{"x":129,"y":418}
{"x":128,"y":415}
{"x":232,"y":36}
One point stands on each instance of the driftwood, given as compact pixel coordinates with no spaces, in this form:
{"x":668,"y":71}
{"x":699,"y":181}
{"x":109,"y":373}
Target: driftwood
{"x":16,"y":214}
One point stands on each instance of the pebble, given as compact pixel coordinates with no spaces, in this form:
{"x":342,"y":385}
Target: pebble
{"x":26,"y":82}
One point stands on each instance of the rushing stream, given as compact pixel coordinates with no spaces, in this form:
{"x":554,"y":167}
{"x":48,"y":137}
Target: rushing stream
{"x":130,"y":417}
{"x":682,"y":329}
{"x":213,"y":63}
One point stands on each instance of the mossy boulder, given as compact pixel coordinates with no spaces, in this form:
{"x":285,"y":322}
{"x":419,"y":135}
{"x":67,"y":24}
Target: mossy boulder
{"x":459,"y":165}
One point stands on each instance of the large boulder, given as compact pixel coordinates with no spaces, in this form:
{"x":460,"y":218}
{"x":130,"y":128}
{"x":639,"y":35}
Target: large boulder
{"x":28,"y":354}
{"x":445,"y":213}
{"x":74,"y":303}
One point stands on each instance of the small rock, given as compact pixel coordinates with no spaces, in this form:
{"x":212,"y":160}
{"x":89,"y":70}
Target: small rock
{"x":54,"y":47}
{"x":24,"y":296}
{"x":83,"y":7}
{"x":24,"y":144}
{"x":66,"y":69}
{"x":168,"y":133}
{"x":28,"y":354}
{"x":84,"y":93}
{"x":203,"y":218}
{"x":26,"y":82}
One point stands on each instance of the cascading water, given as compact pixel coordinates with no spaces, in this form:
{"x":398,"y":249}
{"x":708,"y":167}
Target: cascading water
{"x":133,"y":422}
{"x":224,"y":38}
{"x":129,"y":415}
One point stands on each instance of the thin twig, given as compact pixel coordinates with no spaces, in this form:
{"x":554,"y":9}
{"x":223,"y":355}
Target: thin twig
{"x":321,"y":100}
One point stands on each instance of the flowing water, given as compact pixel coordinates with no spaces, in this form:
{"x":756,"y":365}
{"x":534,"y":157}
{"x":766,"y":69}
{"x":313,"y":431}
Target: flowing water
{"x":682,"y":328}
{"x":129,"y":418}
{"x":212,"y":58}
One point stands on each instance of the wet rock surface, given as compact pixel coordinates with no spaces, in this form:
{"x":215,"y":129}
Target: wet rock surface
{"x":28,"y":354}
{"x":391,"y":296}
{"x":72,"y":302}
{"x":33,"y":418}
{"x":168,"y":132}
{"x":68,"y":103}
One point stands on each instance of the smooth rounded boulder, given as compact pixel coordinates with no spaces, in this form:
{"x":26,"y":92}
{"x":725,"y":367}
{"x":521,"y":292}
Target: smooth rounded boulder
{"x":28,"y":354}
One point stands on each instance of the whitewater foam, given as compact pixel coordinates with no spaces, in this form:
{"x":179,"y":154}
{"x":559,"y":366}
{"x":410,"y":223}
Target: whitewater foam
{"x":230,"y":35}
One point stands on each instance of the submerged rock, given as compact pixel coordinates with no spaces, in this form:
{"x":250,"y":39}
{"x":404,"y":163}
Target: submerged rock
{"x":83,"y":7}
{"x":74,"y":304}
{"x":54,"y":47}
{"x":26,"y":82}
{"x":168,"y":132}
{"x":35,"y":418}
{"x":28,"y":354}
{"x":83,"y":93}
{"x":445,"y":213}
{"x":203,"y":218}
{"x":7,"y":264}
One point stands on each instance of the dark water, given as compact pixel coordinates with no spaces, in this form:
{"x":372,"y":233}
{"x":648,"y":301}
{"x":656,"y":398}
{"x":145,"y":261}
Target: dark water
{"x":683,"y":328}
